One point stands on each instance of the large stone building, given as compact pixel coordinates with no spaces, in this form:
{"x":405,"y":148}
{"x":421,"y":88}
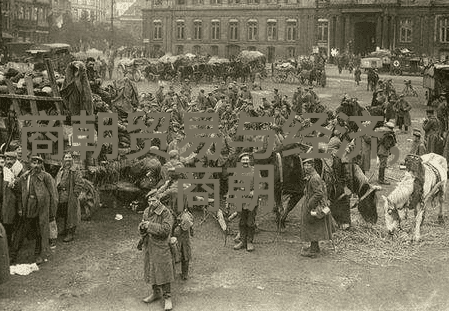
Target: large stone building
{"x":26,"y":20}
{"x":289,"y":28}
{"x":93,"y":10}
{"x":131,"y":19}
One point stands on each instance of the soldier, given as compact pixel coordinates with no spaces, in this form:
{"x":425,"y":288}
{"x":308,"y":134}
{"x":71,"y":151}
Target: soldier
{"x":431,"y":127}
{"x":39,"y":198}
{"x":247,"y":222}
{"x":277,"y":98}
{"x":245,"y":94}
{"x":403,"y":117}
{"x":160,"y":94}
{"x":418,"y":147}
{"x":387,"y":141}
{"x":297,"y":100}
{"x":187,"y":89}
{"x":95,"y":81}
{"x":314,"y":228}
{"x":201,"y":100}
{"x":357,"y":75}
{"x":8,"y":206}
{"x":442,"y":113}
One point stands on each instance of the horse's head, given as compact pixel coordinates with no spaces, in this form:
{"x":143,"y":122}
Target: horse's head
{"x":392,"y":219}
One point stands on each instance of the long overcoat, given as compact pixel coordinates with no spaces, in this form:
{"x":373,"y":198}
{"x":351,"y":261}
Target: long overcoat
{"x":47,"y":202}
{"x":432,"y":128}
{"x":312,"y":228}
{"x":75,"y":185}
{"x":8,"y":208}
{"x":403,"y":110}
{"x":158,"y":264}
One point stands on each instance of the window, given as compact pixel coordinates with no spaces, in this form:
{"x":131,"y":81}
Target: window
{"x":197,"y":30}
{"x":34,"y":14}
{"x":233,"y":31}
{"x":157,"y":30}
{"x":214,"y":50}
{"x":180,"y":30}
{"x":252,"y":30}
{"x":215,"y":30}
{"x":197,"y":50}
{"x":253,"y":1}
{"x":215,"y":1}
{"x":180,"y":2}
{"x":27,"y":13}
{"x":291,"y":30}
{"x":322,"y":31}
{"x":21,"y":13}
{"x":291,"y":52}
{"x":198,"y":2}
{"x":234,"y":1}
{"x":179,"y":49}
{"x":444,"y":30}
{"x":405,"y":30}
{"x":271,"y":30}
{"x":252,"y":48}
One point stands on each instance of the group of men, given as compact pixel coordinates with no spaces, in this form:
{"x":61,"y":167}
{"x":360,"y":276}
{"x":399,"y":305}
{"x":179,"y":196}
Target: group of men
{"x":32,"y":201}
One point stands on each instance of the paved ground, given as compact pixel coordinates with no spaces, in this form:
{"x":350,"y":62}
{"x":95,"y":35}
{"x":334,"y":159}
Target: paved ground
{"x":102,"y":270}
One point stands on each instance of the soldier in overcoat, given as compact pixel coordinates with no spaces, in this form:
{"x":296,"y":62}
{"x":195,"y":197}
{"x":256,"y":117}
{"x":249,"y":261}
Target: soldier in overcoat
{"x":156,"y":227}
{"x":39,"y":204}
{"x":314,"y":229}
{"x":69,"y":184}
{"x":431,"y":127}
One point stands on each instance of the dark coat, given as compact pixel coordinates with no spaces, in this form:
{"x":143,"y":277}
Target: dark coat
{"x":4,"y":256}
{"x":158,"y":264}
{"x":403,"y":110}
{"x":75,"y":187}
{"x":312,"y":228}
{"x":8,"y":207}
{"x":431,"y":127}
{"x":46,"y":203}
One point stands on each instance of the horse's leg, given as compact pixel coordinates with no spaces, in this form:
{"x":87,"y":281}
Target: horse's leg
{"x":294,"y":199}
{"x":440,"y":210}
{"x":418,"y":222}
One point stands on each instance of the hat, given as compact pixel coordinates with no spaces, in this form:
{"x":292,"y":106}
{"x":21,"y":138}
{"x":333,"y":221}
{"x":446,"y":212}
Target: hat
{"x":417,"y":133}
{"x":389,"y":125}
{"x":154,"y":148}
{"x":401,"y":95}
{"x":307,"y":160}
{"x":171,"y":169}
{"x":276,"y":90}
{"x":311,"y":87}
{"x":244,"y":154}
{"x":11,"y":154}
{"x":173,"y":153}
{"x":36,"y":157}
{"x":429,"y":111}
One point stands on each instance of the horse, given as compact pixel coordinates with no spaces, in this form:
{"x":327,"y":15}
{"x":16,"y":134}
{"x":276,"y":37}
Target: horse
{"x":434,"y":189}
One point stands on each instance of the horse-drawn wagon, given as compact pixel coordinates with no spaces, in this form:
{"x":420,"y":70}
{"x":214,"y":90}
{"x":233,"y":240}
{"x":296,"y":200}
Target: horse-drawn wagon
{"x":436,"y":81}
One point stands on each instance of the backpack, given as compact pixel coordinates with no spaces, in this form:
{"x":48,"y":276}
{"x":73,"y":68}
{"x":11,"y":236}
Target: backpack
{"x":388,"y":140}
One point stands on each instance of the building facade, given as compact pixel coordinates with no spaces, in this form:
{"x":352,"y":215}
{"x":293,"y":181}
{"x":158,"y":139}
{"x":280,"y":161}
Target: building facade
{"x":224,"y":29}
{"x":26,"y":20}
{"x":131,"y":20}
{"x":93,"y":10}
{"x":288,"y":28}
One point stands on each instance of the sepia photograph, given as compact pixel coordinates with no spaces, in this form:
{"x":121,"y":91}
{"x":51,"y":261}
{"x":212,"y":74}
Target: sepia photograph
{"x":229,"y":155}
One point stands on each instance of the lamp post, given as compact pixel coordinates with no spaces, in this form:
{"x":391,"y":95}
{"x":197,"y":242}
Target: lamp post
{"x":112,"y":24}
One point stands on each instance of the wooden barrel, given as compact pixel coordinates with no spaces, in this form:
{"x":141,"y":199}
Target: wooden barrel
{"x":4,"y":256}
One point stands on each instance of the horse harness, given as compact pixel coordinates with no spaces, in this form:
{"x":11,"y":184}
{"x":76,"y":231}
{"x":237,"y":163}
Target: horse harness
{"x":437,"y":184}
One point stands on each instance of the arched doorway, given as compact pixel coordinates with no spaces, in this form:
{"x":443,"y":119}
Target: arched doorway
{"x":364,"y":38}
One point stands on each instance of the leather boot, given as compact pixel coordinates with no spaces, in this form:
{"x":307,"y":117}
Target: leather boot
{"x":185,"y":270}
{"x":382,"y":176}
{"x":153,"y":296}
{"x":243,"y":239}
{"x":168,"y":304}
{"x":69,"y":236}
{"x":250,"y":237}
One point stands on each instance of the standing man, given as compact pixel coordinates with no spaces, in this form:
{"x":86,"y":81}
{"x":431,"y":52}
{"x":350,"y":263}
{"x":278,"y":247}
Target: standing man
{"x":431,"y":127}
{"x":247,"y":224}
{"x":418,"y":147}
{"x":39,"y":203}
{"x":155,"y":228}
{"x":403,"y":113}
{"x":442,"y":113}
{"x":387,"y":141}
{"x":69,"y":184}
{"x":314,"y":229}
{"x":8,"y":207}
{"x":277,"y":99}
{"x":358,"y":75}
{"x":297,"y":100}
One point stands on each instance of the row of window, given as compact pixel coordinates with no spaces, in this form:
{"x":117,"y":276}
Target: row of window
{"x":233,"y":30}
{"x":406,"y":30}
{"x":87,"y":14}
{"x":31,"y":13}
{"x":213,"y":50}
{"x":217,"y":2}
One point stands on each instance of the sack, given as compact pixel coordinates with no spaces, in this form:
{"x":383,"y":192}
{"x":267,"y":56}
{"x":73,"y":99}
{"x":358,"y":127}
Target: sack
{"x":322,"y":209}
{"x":53,"y":230}
{"x":175,"y":250}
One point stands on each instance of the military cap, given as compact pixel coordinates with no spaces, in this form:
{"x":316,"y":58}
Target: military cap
{"x":154,"y":148}
{"x":11,"y":154}
{"x":244,"y":154}
{"x":173,"y":153}
{"x":417,"y":132}
{"x":389,"y":125}
{"x":308,"y":160}
{"x":36,"y":157}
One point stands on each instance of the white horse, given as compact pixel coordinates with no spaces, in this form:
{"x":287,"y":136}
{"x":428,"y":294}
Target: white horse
{"x":434,"y":189}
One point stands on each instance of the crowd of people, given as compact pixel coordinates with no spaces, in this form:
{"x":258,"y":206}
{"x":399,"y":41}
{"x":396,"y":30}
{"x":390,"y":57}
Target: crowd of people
{"x":32,"y":200}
